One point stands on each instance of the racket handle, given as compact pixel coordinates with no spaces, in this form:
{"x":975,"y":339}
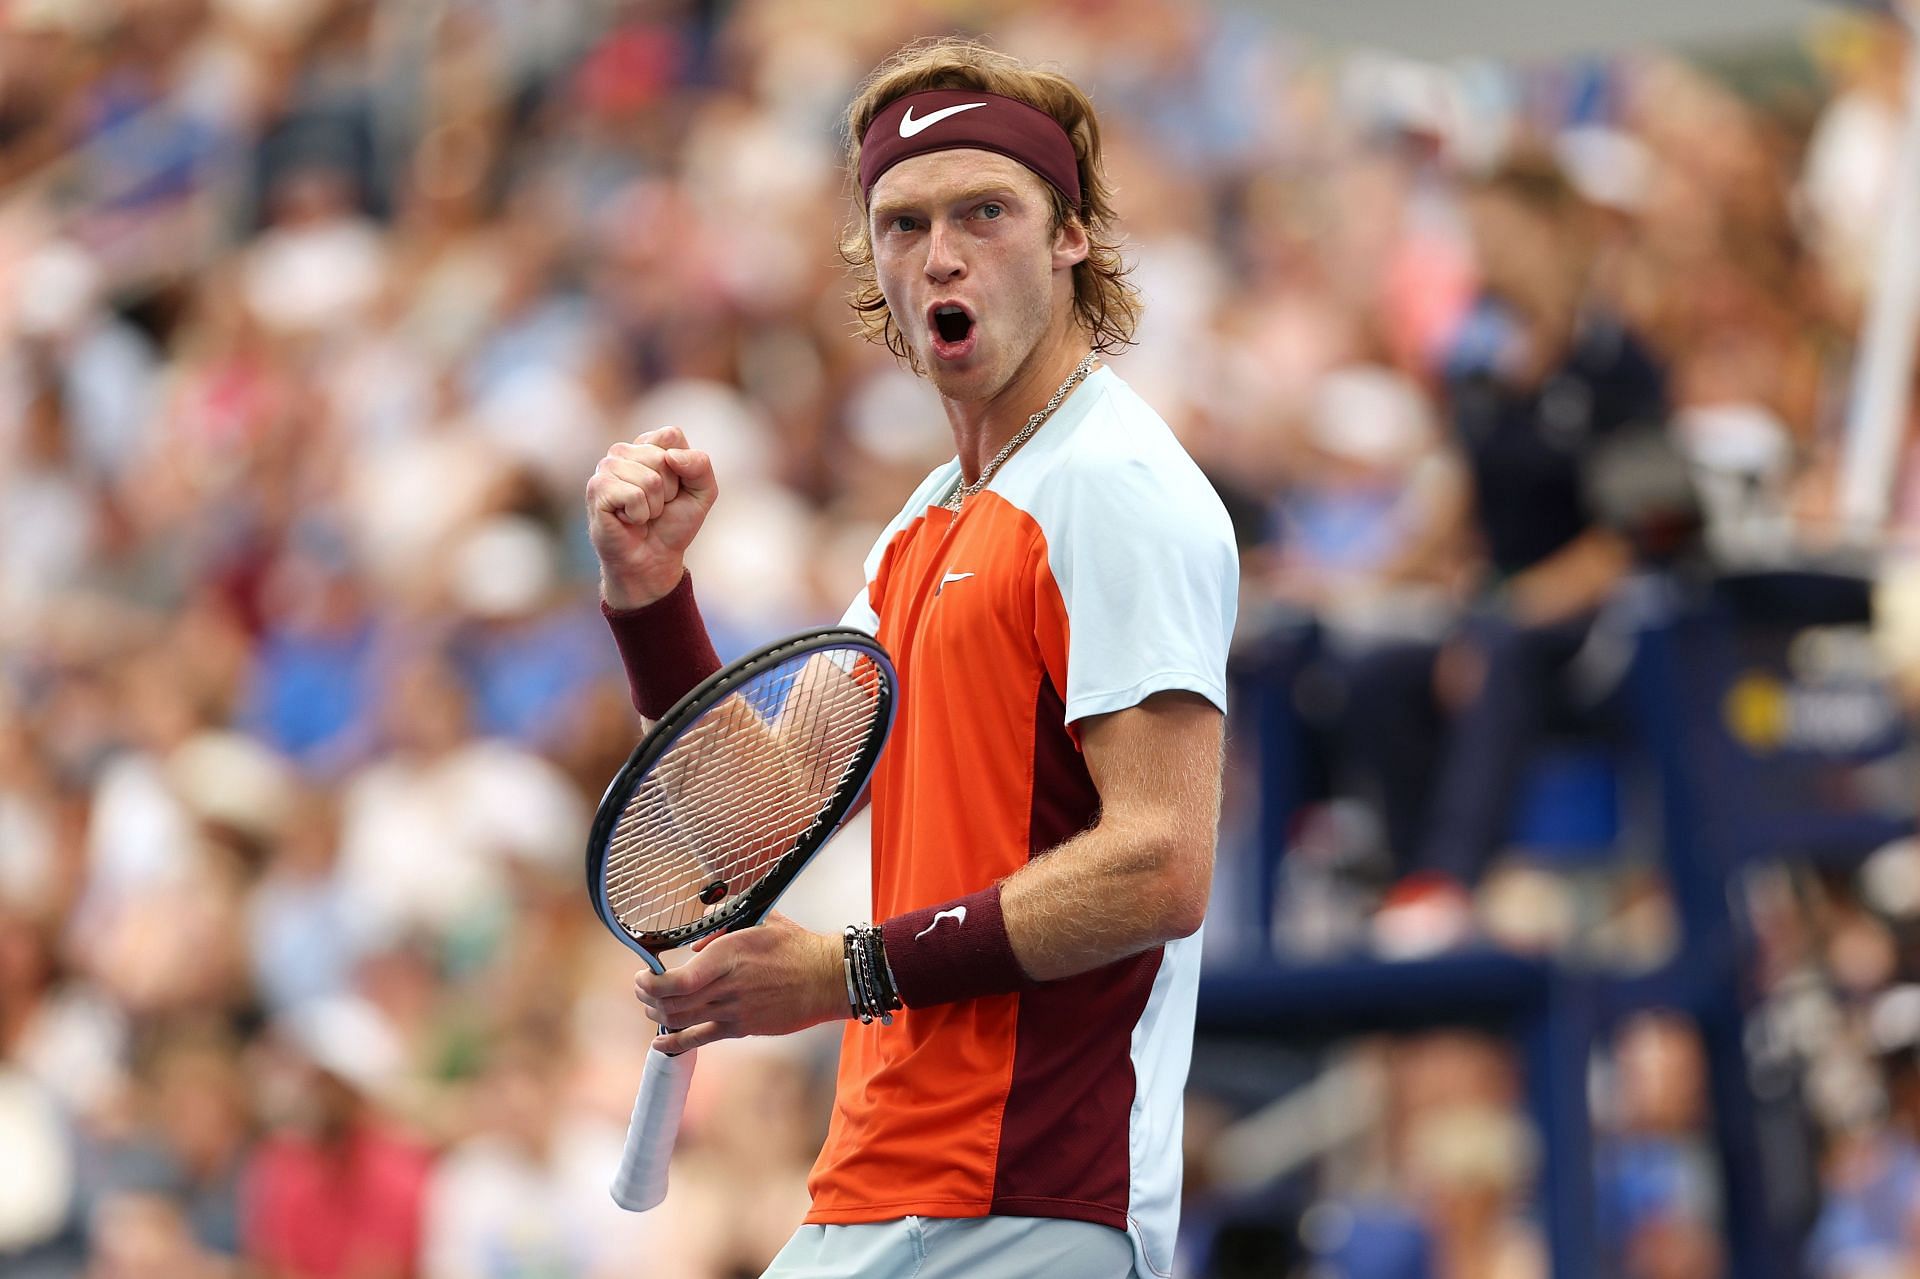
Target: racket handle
{"x":640,"y":1182}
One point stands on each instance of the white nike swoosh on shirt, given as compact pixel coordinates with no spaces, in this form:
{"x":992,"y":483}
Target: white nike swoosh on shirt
{"x":955,"y":577}
{"x":958,"y":914}
{"x":910,"y":126}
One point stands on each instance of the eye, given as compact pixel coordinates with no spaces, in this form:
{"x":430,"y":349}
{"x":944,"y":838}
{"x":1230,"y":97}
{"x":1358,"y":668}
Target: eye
{"x":902,"y":222}
{"x":992,"y":209}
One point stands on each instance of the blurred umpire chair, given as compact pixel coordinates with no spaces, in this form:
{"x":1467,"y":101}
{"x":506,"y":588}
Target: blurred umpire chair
{"x":1758,"y":728}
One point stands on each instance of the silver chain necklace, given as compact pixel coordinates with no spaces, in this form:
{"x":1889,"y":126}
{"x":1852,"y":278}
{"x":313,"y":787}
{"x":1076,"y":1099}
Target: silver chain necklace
{"x":1021,"y":436}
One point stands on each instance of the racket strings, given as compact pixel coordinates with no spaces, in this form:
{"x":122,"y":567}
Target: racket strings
{"x":772,"y":826}
{"x":672,"y":854}
{"x":724,"y":805}
{"x":802,"y":782}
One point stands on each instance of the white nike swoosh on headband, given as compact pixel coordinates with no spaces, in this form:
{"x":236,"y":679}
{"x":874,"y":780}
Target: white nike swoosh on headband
{"x":910,"y":126}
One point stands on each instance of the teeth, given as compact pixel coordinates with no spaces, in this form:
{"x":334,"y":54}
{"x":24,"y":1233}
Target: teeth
{"x":949,"y":310}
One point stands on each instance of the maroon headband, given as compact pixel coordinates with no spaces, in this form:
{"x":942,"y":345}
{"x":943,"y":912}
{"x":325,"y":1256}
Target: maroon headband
{"x":946,"y":119}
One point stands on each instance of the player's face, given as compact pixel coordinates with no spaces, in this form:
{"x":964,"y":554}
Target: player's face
{"x":972,"y":269}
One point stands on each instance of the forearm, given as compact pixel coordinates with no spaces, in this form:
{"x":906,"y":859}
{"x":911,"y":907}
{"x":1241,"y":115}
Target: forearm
{"x":1112,"y":891}
{"x":1575,"y":579}
{"x":1138,"y":877}
{"x":1438,"y":509}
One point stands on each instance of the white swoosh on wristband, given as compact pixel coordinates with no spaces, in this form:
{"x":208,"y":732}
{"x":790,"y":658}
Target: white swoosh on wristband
{"x":958,"y":915}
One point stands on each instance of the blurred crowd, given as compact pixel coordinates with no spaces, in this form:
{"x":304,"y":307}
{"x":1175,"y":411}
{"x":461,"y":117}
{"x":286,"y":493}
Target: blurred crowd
{"x":314,"y":318}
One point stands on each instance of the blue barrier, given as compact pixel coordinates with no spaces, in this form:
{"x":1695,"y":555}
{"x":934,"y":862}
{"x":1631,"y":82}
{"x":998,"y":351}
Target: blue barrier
{"x":1568,"y":809}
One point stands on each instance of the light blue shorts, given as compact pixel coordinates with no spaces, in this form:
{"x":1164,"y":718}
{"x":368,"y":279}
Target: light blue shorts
{"x":957,"y":1248}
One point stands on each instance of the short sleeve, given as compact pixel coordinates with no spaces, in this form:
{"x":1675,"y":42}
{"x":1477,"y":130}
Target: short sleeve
{"x":1144,"y":582}
{"x":861,"y":614}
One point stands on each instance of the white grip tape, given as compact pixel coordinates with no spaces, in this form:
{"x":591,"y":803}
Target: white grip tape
{"x":641,"y":1181}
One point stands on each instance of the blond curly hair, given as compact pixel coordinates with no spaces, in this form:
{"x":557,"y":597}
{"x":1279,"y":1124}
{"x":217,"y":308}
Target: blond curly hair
{"x":1105,"y":302}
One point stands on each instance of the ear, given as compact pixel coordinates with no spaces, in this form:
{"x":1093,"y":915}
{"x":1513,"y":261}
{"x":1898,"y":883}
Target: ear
{"x":1070,"y":246}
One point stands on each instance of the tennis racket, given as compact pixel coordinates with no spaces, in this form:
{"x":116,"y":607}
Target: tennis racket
{"x":719,"y":807}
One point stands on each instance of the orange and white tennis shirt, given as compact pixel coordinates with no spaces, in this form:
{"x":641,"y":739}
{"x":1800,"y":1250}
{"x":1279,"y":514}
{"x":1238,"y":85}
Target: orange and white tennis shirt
{"x":1098,"y":568}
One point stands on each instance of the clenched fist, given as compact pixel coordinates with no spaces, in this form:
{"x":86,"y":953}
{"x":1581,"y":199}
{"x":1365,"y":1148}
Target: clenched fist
{"x":645,"y":502}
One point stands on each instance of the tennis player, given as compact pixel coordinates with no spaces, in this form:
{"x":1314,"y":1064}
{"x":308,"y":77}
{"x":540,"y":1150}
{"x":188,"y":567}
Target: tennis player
{"x":1058,"y":600}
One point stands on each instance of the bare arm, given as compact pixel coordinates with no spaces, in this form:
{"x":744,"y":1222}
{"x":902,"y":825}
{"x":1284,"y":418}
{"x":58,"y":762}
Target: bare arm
{"x":1573,"y":580}
{"x":1439,"y":549}
{"x":1141,"y":874}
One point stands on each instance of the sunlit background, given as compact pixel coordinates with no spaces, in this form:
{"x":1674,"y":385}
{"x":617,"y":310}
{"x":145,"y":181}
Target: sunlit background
{"x":316,"y":314}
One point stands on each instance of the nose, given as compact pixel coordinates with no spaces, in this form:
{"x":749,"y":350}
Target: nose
{"x":943,"y":254}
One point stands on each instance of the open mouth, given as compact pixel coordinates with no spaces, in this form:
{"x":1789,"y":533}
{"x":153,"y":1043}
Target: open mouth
{"x":953,"y":330}
{"x":952,"y":324}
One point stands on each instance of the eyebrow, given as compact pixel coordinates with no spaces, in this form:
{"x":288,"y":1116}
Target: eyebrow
{"x":973,"y":195}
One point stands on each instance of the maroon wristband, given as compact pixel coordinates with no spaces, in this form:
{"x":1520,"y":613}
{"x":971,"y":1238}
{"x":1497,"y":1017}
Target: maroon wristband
{"x":957,"y":950}
{"x":664,"y":646}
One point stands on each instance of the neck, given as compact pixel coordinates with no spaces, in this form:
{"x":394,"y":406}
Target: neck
{"x":982,"y":427}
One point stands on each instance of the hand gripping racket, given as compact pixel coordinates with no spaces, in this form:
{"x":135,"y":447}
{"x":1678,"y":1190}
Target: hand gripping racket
{"x":719,"y":807}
